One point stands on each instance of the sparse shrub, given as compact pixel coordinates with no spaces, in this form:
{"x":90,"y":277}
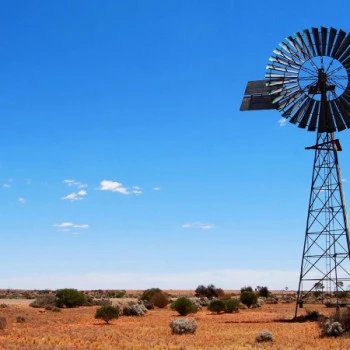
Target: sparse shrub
{"x":217,"y":306}
{"x":134,"y":310}
{"x":3,"y":322}
{"x":204,"y":301}
{"x":43,"y":301}
{"x":107,"y":313}
{"x":184,"y":306}
{"x":148,"y":304}
{"x":249,"y":298}
{"x":20,"y":319}
{"x":231,"y":305}
{"x":197,"y":302}
{"x":149,"y":293}
{"x":101,"y":302}
{"x":69,"y":297}
{"x":160,"y":300}
{"x":183,"y":326}
{"x":331,"y":328}
{"x":264,"y":336}
{"x":3,"y":306}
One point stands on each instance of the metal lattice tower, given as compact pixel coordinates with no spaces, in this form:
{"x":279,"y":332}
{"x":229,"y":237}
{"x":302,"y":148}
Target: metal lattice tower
{"x":308,"y":82}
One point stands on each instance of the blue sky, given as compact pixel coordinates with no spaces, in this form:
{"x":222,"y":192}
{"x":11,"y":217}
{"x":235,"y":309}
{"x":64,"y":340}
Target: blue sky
{"x":124,"y":159}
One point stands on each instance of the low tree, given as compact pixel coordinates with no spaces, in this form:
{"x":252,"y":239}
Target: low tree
{"x":249,"y":298}
{"x":69,"y":298}
{"x":246,"y":289}
{"x":231,"y":305}
{"x":184,"y":306}
{"x":149,"y":293}
{"x":160,"y":300}
{"x":263,"y":291}
{"x":217,"y":306}
{"x":107,"y":313}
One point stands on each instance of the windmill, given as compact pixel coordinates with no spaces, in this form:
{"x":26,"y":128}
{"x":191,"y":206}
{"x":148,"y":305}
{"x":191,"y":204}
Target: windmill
{"x":307,"y":80}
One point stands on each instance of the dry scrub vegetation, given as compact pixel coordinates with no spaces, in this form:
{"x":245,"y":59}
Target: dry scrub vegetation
{"x":77,"y":328}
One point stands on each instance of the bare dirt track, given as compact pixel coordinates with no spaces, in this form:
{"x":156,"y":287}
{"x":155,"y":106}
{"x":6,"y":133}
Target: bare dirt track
{"x":77,"y":329}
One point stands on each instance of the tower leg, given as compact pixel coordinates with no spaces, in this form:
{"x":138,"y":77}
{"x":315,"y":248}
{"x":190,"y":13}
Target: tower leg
{"x":325,"y":265}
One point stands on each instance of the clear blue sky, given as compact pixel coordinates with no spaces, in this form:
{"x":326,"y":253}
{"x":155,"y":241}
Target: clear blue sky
{"x":124,"y":159}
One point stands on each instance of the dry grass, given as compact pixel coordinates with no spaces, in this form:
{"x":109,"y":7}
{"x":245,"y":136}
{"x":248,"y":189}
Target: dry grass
{"x":77,"y":329}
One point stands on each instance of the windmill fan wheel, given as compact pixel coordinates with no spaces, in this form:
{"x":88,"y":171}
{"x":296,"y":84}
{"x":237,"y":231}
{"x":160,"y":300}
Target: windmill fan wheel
{"x":308,"y":79}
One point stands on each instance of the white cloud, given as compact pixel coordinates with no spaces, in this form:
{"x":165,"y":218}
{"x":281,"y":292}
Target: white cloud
{"x":74,"y":183}
{"x":21,"y":200}
{"x":113,"y":186}
{"x":156,"y":188}
{"x":282,"y":121}
{"x":232,"y":279}
{"x":199,"y":225}
{"x":6,"y":186}
{"x":343,"y":180}
{"x":66,"y":226}
{"x":136,"y":190}
{"x":75,"y":196}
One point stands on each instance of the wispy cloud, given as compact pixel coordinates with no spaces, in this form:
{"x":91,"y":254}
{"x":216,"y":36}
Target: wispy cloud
{"x":68,"y":226}
{"x":6,"y":185}
{"x":75,"y":196}
{"x":156,"y":188}
{"x":75,"y":183}
{"x":115,"y":186}
{"x":21,"y":200}
{"x":198,"y":224}
{"x":136,"y":190}
{"x":282,"y":121}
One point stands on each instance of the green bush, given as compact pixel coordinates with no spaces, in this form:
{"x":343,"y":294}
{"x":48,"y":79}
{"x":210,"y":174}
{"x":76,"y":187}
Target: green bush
{"x":249,"y":298}
{"x":231,"y":305}
{"x":216,"y":306}
{"x":184,"y":306}
{"x":70,"y":298}
{"x":149,"y":293}
{"x":160,"y":300}
{"x":107,"y":313}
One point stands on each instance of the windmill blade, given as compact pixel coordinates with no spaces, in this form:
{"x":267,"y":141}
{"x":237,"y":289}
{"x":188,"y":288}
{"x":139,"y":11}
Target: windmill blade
{"x":323,"y":40}
{"x":284,"y":61}
{"x":309,"y":40}
{"x":298,"y":48}
{"x":337,"y":117}
{"x":297,"y":104}
{"x":332,"y":34}
{"x":325,"y":121}
{"x":344,"y":45}
{"x":304,"y":46}
{"x":340,"y":37}
{"x":305,"y":116}
{"x":343,"y":112}
{"x":317,"y":41}
{"x":314,"y":116}
{"x":299,"y":112}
